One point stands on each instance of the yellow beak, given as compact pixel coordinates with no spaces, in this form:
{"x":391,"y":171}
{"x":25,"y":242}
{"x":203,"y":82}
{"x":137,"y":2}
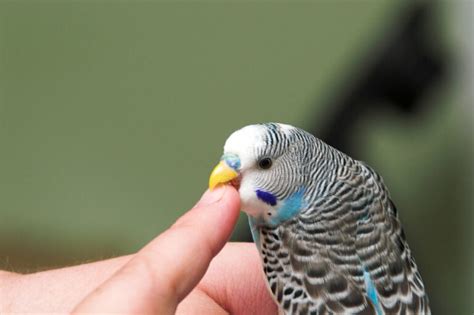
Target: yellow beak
{"x":222,"y":174}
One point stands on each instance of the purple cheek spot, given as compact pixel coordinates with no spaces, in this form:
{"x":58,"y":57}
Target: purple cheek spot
{"x":266,"y":197}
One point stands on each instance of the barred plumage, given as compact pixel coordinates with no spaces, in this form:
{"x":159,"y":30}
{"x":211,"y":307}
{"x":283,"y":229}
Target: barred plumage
{"x":333,"y":244}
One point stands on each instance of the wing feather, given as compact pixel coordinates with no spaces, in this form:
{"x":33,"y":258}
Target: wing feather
{"x":316,"y":262}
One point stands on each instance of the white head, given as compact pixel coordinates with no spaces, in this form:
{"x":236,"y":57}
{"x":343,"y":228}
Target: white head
{"x":261,"y":161}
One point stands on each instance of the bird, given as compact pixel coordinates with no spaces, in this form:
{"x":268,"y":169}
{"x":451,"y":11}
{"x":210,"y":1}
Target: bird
{"x":327,"y":231}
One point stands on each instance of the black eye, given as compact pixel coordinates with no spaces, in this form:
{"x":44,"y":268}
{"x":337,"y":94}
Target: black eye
{"x":265,"y":163}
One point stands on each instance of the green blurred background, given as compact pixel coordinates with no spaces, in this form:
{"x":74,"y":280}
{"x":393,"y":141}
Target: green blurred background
{"x":112,"y":114}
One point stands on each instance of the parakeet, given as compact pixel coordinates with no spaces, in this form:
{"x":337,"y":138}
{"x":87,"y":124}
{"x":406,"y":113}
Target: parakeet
{"x":328,"y":234}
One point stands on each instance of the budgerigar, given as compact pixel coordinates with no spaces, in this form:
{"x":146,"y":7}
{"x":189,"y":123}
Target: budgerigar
{"x":326,"y":229}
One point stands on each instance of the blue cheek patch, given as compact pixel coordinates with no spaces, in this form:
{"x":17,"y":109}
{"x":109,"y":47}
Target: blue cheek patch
{"x":291,"y":207}
{"x":266,"y":197}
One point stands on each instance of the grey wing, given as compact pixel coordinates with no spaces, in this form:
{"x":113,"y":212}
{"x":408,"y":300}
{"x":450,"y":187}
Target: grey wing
{"x":345,"y":255}
{"x":384,"y":252}
{"x":304,"y":278}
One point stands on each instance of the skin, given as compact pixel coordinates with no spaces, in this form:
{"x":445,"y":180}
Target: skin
{"x":187,"y":269}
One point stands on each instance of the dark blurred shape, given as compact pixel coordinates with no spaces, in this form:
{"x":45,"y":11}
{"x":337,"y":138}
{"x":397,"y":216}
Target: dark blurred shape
{"x":403,"y":69}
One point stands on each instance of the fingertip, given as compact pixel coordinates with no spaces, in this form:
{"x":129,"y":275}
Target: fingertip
{"x":223,"y":192}
{"x":229,"y":205}
{"x":224,"y":199}
{"x":230,"y":200}
{"x":232,"y":195}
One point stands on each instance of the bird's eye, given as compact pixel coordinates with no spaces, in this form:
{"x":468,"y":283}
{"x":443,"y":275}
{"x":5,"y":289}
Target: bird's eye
{"x":265,"y":163}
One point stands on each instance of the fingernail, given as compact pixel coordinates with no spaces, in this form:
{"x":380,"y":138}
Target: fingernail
{"x":211,"y":196}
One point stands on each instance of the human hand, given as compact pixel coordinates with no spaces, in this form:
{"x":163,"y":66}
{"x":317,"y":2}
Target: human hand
{"x":158,"y":279}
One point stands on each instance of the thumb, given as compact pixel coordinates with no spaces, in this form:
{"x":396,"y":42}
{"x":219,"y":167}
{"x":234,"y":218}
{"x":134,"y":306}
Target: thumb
{"x":161,"y":274}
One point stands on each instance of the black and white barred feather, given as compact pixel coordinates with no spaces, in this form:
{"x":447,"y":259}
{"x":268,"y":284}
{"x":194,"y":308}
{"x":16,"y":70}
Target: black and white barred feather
{"x":345,"y":252}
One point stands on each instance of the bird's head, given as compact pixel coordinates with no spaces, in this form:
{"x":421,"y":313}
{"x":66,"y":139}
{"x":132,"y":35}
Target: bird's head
{"x":267,"y":163}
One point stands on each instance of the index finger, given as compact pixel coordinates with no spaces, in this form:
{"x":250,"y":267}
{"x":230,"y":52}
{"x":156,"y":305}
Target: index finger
{"x":169,"y":267}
